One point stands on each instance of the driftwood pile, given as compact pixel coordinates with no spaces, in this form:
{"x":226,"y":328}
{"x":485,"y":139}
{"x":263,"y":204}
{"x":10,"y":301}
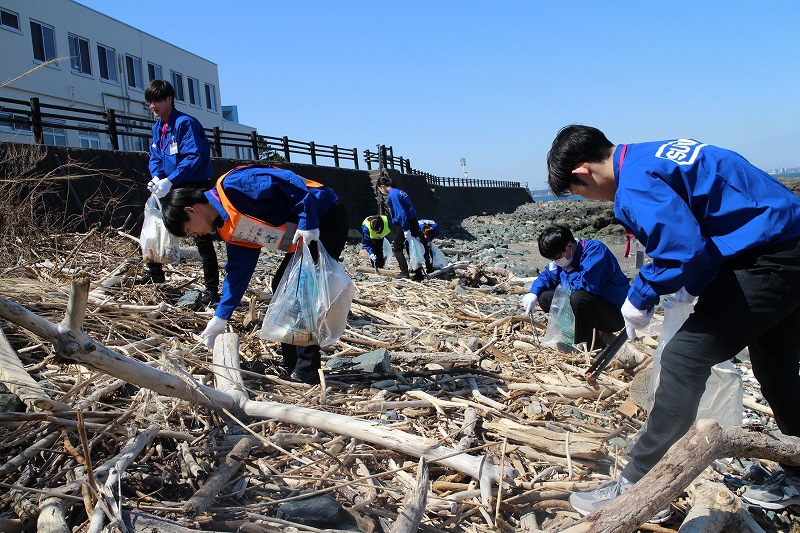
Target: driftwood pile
{"x":131,"y":424}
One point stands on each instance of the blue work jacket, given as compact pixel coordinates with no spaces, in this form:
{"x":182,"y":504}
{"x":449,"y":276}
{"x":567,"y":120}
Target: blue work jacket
{"x":191,"y":162}
{"x":400,"y":208}
{"x":694,"y":207}
{"x":275,"y":196}
{"x":596,"y":271}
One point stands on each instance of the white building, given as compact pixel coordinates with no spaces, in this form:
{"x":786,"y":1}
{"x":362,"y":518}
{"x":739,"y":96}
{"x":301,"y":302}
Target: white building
{"x":89,"y":61}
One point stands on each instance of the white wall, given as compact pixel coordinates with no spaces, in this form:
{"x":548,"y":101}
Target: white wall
{"x":59,"y":84}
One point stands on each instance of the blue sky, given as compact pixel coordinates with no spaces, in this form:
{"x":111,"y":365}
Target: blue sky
{"x":493,"y":82}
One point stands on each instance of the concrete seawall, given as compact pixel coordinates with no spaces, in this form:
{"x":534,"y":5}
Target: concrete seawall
{"x":108,"y":188}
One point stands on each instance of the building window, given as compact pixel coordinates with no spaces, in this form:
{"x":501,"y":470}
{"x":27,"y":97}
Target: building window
{"x":9,"y":20}
{"x":134,"y":67}
{"x":211,"y":97}
{"x":53,"y":134}
{"x":244,"y":153}
{"x":194,"y":92}
{"x":154,"y":72}
{"x":177,"y":83}
{"x":44,"y":41}
{"x":79,"y":55}
{"x":107,"y":59}
{"x":11,"y":121}
{"x":89,"y":139}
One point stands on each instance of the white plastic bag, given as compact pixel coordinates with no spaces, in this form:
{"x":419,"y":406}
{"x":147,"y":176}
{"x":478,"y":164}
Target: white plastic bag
{"x":560,"y":320}
{"x":311,"y":302}
{"x":157,"y":244}
{"x":387,"y":252}
{"x":722,"y":399}
{"x":438,"y":259}
{"x":416,"y":254}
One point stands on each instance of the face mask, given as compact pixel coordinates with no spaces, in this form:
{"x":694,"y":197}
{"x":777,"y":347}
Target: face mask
{"x":562,"y":262}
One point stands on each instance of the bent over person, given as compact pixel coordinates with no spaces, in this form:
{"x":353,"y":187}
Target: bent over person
{"x":373,"y":230}
{"x":248,"y":203}
{"x":718,"y":228}
{"x":593,"y":275}
{"x":180,"y":156}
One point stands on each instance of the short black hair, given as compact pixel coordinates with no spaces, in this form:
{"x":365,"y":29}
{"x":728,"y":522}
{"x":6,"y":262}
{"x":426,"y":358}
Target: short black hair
{"x":175,"y":218}
{"x":553,"y":240}
{"x":386,"y":180}
{"x":376,"y":223}
{"x":573,"y":145}
{"x":158,"y":90}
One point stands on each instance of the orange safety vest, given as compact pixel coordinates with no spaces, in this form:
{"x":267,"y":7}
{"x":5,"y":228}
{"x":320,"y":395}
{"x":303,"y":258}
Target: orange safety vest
{"x":243,"y":230}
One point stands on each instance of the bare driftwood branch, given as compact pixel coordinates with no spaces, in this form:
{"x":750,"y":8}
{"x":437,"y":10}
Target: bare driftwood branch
{"x":414,"y":505}
{"x":684,"y":461}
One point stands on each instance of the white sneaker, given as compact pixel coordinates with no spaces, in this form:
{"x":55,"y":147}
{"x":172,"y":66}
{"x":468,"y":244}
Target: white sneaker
{"x":588,"y":502}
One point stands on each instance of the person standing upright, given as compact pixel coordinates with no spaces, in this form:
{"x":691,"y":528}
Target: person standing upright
{"x":180,"y":156}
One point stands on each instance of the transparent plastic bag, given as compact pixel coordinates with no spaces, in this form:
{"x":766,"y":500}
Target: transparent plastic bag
{"x":416,"y":254}
{"x":722,"y":399}
{"x":387,"y":252}
{"x":560,"y":320}
{"x":311,"y":302}
{"x":158,"y":245}
{"x":438,"y":259}
{"x":336,"y":291}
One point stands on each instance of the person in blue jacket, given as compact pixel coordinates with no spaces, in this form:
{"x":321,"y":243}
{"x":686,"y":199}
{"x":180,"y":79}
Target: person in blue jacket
{"x":254,"y":206}
{"x":180,"y":156}
{"x":719,"y":229}
{"x":592,"y":274}
{"x":373,"y":230}
{"x":428,"y":230}
{"x":404,"y":216}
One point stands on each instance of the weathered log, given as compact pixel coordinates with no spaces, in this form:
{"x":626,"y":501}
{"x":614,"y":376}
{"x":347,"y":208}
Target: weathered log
{"x":441,"y":358}
{"x":203,"y":498}
{"x":414,"y":505}
{"x":716,"y":509}
{"x":18,"y":381}
{"x":52,"y":517}
{"x":685,"y":460}
{"x":129,"y":452}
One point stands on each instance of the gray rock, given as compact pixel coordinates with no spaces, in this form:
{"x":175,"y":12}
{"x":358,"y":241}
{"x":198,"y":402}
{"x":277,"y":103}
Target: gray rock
{"x":10,"y":403}
{"x":190,"y":299}
{"x":316,"y":511}
{"x":376,"y":361}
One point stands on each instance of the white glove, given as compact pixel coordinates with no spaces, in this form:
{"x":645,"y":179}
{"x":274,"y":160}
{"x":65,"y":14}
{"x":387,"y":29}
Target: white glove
{"x":308,"y":235}
{"x":151,"y":185}
{"x":635,"y":318}
{"x":681,"y":297}
{"x":215,"y":326}
{"x":529,"y":302}
{"x":160,"y":187}
{"x":373,"y":257}
{"x":407,"y":234}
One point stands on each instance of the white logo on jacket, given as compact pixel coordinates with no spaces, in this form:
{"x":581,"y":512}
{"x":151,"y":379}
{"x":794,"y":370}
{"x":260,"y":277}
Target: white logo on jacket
{"x":682,"y":151}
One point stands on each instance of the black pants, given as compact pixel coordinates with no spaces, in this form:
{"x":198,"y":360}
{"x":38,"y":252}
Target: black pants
{"x":400,"y":247}
{"x":333,"y":228}
{"x":205,"y":247}
{"x":754,"y":302}
{"x":377,"y":249}
{"x":591,"y":313}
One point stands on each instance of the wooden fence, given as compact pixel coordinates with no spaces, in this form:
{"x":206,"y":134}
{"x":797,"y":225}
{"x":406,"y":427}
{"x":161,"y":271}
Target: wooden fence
{"x":34,"y":115}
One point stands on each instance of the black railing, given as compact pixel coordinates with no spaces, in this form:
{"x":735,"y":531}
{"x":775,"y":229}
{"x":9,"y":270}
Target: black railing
{"x":34,"y":115}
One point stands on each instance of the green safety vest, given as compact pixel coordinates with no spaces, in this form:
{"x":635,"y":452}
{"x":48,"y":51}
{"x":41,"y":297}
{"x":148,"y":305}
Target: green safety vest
{"x":372,"y":234}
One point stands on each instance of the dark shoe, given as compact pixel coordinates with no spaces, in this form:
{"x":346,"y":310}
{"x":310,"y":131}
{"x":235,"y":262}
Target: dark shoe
{"x":309,"y":377}
{"x":401,"y":275}
{"x":150,"y":277}
{"x":208,"y":299}
{"x":776,"y":492}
